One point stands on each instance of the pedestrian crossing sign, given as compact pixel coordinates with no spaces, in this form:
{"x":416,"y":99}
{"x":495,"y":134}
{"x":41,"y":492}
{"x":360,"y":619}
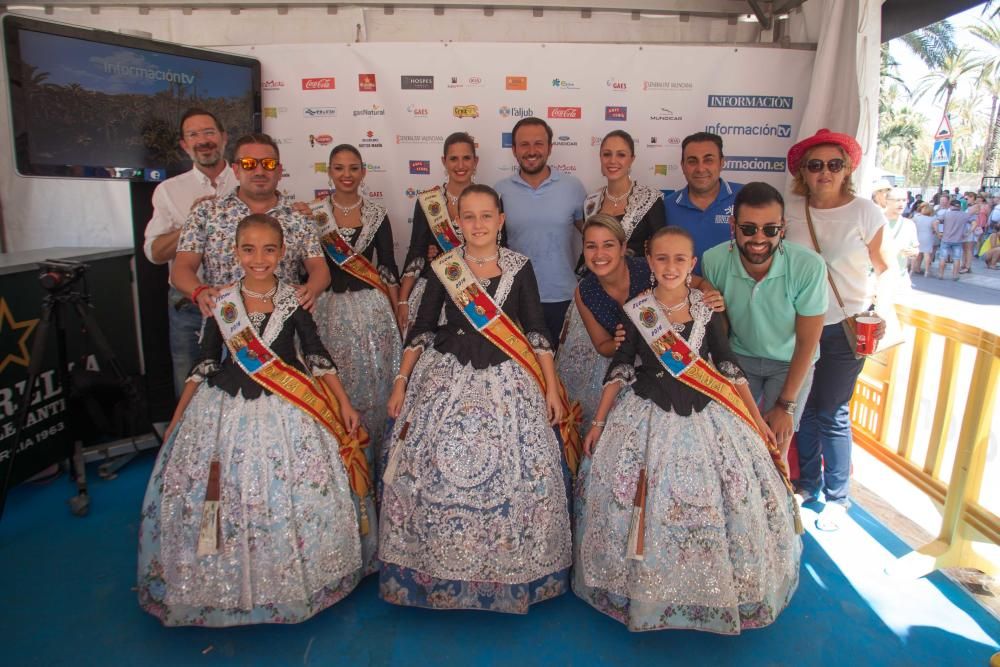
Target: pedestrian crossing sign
{"x":942,"y":153}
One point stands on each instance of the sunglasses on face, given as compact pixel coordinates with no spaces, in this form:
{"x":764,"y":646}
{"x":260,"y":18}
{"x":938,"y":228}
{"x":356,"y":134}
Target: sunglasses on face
{"x":833,"y":166}
{"x":250,"y":163}
{"x":770,"y":231}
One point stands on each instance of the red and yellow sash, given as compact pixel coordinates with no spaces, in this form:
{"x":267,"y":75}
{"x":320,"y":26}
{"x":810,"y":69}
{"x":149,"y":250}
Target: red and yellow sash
{"x":488,"y":319}
{"x":436,"y":211}
{"x":284,"y":380}
{"x":689,"y":367}
{"x":340,"y":251}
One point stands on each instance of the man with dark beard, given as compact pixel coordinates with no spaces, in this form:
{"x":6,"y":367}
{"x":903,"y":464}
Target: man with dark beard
{"x":544,"y":210}
{"x":776,"y":297}
{"x":204,"y":140}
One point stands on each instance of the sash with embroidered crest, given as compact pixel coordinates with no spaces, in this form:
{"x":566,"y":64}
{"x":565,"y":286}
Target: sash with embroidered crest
{"x":340,"y":250}
{"x":496,"y":326}
{"x":303,"y":391}
{"x":436,"y":211}
{"x":688,"y":367}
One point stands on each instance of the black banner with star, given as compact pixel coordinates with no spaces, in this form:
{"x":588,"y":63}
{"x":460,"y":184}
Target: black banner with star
{"x":48,"y":434}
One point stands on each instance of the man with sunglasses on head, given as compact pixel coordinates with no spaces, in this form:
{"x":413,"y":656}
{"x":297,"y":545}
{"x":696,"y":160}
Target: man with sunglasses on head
{"x":776,"y":297}
{"x":703,"y":207}
{"x":204,"y":141}
{"x":208,"y":240}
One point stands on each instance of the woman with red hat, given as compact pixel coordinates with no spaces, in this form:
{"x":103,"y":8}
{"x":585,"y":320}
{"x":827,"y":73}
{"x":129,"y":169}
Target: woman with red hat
{"x":847,"y":232}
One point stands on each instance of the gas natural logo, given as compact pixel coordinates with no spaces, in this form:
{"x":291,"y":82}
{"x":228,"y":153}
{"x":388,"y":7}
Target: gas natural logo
{"x":319,"y":83}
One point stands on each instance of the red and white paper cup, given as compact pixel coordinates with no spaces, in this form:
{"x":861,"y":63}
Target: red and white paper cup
{"x":866,"y":327}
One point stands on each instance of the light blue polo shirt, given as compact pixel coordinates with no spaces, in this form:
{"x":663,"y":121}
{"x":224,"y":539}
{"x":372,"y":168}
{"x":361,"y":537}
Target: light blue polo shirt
{"x":540,"y":225}
{"x":762,"y":314}
{"x":709,"y":227}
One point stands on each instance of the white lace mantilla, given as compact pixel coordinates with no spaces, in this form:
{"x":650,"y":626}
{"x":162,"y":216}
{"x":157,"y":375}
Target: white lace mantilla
{"x":285,"y":303}
{"x":510,"y":263}
{"x":640,"y":199}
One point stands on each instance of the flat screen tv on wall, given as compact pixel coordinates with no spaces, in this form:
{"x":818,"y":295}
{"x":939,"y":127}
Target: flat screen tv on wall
{"x":95,"y":104}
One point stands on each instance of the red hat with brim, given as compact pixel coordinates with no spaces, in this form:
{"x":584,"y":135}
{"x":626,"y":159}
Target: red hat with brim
{"x":824,"y":136}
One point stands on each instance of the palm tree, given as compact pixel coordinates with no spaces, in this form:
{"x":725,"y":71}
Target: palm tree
{"x":932,"y":44}
{"x":989,"y":79}
{"x":943,"y":80}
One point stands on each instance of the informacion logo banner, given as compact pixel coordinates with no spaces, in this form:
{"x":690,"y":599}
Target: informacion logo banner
{"x":319,"y":83}
{"x":754,"y":163}
{"x":422,"y":167}
{"x":416,"y":82}
{"x":516,"y":83}
{"x":566,"y":113}
{"x":782,"y":131}
{"x":615,"y":113}
{"x":366,"y":83}
{"x":750,"y":101}
{"x":319,"y":112}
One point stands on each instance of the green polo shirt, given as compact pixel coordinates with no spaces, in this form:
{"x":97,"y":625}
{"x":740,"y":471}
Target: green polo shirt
{"x":762,"y":314}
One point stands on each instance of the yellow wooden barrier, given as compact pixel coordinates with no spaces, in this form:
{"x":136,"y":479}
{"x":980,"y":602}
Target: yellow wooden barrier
{"x":871,"y":415}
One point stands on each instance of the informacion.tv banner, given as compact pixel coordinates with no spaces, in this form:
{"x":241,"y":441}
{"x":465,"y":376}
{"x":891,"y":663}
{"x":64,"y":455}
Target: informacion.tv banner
{"x":398,"y":102}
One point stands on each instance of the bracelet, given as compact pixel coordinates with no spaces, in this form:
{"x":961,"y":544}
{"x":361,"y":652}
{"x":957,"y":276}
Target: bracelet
{"x":402,"y":303}
{"x":198,"y":290}
{"x":400,"y":376}
{"x":598,"y":424}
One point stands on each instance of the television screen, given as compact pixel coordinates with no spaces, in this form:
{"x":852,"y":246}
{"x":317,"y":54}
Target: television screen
{"x":95,"y":104}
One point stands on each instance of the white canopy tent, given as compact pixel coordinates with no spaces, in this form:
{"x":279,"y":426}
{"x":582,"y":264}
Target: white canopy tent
{"x":39,"y":212}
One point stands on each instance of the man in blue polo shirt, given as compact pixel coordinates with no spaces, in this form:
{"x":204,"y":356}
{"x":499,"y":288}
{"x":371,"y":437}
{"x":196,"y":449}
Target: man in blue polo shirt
{"x":776,"y":298}
{"x":544,"y":210}
{"x":702,"y":207}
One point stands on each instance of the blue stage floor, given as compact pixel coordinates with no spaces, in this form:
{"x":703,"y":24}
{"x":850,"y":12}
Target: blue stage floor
{"x":66,"y":598}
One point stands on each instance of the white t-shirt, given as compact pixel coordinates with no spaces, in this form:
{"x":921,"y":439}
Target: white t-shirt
{"x":844,"y":234}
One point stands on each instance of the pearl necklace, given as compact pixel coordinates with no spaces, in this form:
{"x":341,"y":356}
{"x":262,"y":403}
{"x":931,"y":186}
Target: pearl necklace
{"x":620,"y":199}
{"x":479,"y":261}
{"x":263,"y":296}
{"x":346,"y":210}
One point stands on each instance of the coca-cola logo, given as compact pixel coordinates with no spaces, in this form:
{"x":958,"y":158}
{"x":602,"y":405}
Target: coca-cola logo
{"x":566,"y":112}
{"x":319,"y":83}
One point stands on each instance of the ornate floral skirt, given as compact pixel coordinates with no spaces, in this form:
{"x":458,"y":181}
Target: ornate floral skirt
{"x":359,"y":331}
{"x":474,"y":504}
{"x":721,"y":553}
{"x":580,"y":366}
{"x":290,"y":543}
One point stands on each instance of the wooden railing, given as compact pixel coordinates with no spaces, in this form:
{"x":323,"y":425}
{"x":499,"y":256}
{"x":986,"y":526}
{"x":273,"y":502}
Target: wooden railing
{"x":959,"y":495}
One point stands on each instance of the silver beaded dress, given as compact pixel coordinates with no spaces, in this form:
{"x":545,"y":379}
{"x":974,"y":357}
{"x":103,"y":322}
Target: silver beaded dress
{"x":289,"y":524}
{"x":474,"y":508}
{"x":721,"y":552}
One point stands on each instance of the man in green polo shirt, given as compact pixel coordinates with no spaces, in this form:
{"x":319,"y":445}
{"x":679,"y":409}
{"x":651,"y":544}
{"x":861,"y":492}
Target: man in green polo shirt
{"x":776,"y":297}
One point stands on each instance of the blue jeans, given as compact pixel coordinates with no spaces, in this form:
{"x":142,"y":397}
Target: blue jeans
{"x":766,"y":378}
{"x":185,"y":327}
{"x":555,"y":313}
{"x":824,"y":438}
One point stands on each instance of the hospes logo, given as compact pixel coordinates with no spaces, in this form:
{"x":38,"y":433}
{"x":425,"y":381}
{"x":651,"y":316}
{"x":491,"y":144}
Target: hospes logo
{"x":750,"y":101}
{"x":782,"y":131}
{"x":416,"y":82}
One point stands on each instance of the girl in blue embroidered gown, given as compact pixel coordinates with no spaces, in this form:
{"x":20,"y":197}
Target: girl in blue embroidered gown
{"x":284,"y":543}
{"x":720,"y":552}
{"x":357,"y":321}
{"x":639,"y":211}
{"x":474,"y":506}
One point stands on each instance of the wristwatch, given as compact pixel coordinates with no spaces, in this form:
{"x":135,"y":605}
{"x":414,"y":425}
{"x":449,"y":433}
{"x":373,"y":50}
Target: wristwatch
{"x":787,"y":406}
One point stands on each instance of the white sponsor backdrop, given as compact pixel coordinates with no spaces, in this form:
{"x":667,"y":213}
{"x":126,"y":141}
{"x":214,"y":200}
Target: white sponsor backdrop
{"x":317,"y":96}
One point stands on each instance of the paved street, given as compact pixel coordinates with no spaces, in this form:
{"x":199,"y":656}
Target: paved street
{"x":973,"y":299}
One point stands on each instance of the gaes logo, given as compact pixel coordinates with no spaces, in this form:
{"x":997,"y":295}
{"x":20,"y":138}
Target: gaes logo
{"x":616,"y":84}
{"x":418,"y":111}
{"x":422,"y":167}
{"x":466,"y":111}
{"x":366,"y":83}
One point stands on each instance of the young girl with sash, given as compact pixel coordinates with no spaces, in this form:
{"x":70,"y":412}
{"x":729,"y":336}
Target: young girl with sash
{"x":639,"y":212}
{"x":474,"y":501}
{"x":434,"y":230}
{"x":356,"y":315}
{"x":684,"y":517}
{"x":259,"y":508}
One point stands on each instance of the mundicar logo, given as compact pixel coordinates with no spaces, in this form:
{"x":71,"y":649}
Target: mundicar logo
{"x":782,"y":131}
{"x":754,"y":163}
{"x":420,"y":167}
{"x":750,"y":101}
{"x":416,"y":82}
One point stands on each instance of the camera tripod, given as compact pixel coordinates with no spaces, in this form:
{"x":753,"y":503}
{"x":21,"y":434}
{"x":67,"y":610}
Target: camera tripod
{"x":59,"y":278}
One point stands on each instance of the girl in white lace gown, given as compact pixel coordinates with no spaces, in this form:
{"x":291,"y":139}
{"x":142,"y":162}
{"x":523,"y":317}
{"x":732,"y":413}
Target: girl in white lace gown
{"x":721,"y":551}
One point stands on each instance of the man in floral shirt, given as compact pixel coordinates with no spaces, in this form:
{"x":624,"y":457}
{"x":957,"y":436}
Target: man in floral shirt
{"x":208,"y":239}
